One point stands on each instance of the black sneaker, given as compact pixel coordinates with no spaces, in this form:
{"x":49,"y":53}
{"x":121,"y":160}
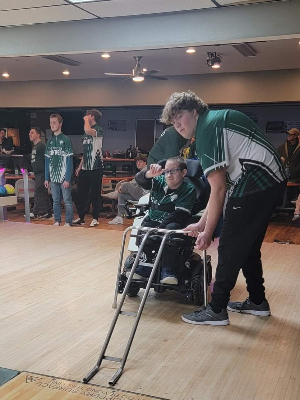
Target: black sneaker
{"x":78,"y":221}
{"x":207,"y":317}
{"x":46,"y":216}
{"x":248,"y":307}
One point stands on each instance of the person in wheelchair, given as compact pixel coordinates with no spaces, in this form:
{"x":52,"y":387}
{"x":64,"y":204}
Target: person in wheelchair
{"x":171,"y":203}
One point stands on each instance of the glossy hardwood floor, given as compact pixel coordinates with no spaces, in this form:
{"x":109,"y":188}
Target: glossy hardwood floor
{"x":56,"y":292}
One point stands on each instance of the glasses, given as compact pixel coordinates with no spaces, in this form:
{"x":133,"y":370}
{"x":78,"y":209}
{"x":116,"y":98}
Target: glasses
{"x":172,"y":171}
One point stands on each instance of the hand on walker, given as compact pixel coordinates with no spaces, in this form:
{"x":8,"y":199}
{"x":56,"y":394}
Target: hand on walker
{"x":203,"y":241}
{"x":192,"y":230}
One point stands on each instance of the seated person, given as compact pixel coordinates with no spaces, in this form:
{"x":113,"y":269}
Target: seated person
{"x":171,"y":202}
{"x":129,"y":191}
{"x":6,"y":143}
{"x":297,"y":210}
{"x":289,"y":153}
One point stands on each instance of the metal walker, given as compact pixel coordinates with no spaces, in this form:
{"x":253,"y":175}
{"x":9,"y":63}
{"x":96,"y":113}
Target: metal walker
{"x":136,"y":315}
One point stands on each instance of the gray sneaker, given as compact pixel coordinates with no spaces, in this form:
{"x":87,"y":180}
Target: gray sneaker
{"x":207,"y":317}
{"x":248,"y":307}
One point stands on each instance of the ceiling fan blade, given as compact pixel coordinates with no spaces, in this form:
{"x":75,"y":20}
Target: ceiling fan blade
{"x":152,"y":71}
{"x":160,"y":78}
{"x":113,"y":74}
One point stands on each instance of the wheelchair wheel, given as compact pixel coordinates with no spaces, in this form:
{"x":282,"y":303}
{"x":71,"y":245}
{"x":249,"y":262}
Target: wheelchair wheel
{"x":196,"y":293}
{"x":133,"y":290}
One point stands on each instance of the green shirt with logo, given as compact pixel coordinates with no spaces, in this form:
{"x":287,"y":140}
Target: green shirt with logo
{"x":229,"y":139}
{"x":92,"y":149}
{"x":183,"y":198}
{"x":59,"y":159}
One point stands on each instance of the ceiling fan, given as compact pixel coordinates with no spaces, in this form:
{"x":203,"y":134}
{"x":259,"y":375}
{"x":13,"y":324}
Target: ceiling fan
{"x":139,"y":74}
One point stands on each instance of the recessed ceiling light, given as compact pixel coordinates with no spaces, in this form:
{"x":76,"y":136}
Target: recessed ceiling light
{"x":105,"y":55}
{"x":5,"y":75}
{"x":66,"y":72}
{"x":190,"y":51}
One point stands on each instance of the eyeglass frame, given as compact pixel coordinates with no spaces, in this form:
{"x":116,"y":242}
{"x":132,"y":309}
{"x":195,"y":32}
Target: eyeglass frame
{"x":169,"y":171}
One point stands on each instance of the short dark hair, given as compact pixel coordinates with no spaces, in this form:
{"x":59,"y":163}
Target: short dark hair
{"x":58,"y":116}
{"x":38,"y":130}
{"x":95,"y":113}
{"x":180,"y":161}
{"x":141,"y":157}
{"x":181,"y":102}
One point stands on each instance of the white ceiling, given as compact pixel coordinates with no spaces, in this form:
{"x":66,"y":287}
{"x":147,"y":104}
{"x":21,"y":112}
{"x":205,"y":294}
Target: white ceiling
{"x":29,"y":12}
{"x":272,"y":55}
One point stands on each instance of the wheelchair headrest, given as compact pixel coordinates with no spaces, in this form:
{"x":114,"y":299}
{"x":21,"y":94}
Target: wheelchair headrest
{"x":194,"y":169}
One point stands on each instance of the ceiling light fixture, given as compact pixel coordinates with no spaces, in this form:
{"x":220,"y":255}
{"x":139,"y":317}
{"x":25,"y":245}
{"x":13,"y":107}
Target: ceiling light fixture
{"x":66,"y":72}
{"x":5,"y":75}
{"x":105,"y":55}
{"x":145,"y":70}
{"x":214,"y":60}
{"x":138,"y":78}
{"x":190,"y":51}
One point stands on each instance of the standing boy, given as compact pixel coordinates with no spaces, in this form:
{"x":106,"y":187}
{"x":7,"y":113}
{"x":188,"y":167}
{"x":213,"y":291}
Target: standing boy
{"x":90,"y":170}
{"x":58,"y":170}
{"x":42,"y":205}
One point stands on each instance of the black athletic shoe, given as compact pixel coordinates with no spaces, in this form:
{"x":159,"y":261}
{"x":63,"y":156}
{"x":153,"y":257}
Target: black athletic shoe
{"x":46,"y":216}
{"x":248,"y":307}
{"x":78,"y":221}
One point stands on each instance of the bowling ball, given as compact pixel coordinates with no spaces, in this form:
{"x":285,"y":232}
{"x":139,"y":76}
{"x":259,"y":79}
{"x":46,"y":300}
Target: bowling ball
{"x":10,"y":189}
{"x":126,"y":167}
{"x":108,"y":167}
{"x":3,"y":191}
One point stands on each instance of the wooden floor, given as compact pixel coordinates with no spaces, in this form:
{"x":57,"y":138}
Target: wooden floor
{"x":281,"y":226}
{"x":56,"y":293}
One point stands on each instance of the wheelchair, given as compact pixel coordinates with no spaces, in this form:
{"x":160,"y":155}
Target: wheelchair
{"x":189,"y":266}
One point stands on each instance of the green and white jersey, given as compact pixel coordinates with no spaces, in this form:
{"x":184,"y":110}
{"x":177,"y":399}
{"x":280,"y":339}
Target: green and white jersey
{"x":92,"y":149}
{"x":59,"y":159}
{"x":183,"y":198}
{"x":229,"y":139}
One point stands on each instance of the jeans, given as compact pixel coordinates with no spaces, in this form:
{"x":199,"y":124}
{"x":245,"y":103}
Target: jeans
{"x":56,"y":190}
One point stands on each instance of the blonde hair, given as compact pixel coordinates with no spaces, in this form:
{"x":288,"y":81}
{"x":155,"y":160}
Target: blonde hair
{"x":58,"y":116}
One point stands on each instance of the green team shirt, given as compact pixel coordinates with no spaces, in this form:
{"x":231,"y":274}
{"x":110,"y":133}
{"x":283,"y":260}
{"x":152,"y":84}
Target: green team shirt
{"x":38,"y":158}
{"x":59,"y":159}
{"x":229,"y":139}
{"x":183,"y":197}
{"x":169,"y":144}
{"x":92,"y":149}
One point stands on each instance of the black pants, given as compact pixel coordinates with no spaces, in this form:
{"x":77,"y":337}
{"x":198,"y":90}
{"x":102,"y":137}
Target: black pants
{"x":89,"y":180}
{"x":42,"y":204}
{"x":244,"y":227}
{"x":169,"y":255}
